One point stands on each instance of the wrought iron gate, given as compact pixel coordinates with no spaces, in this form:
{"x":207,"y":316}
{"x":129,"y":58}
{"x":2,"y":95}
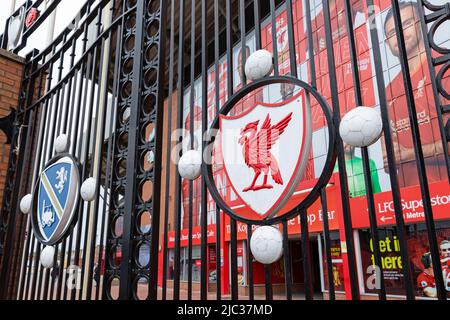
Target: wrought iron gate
{"x":118,"y":81}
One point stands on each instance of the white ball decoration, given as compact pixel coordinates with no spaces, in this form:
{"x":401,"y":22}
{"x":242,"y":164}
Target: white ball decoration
{"x":62,"y":143}
{"x":361,"y":127}
{"x":259,"y":65}
{"x":25,"y":204}
{"x":266,"y":244}
{"x":47,"y":256}
{"x":88,"y":189}
{"x":190,"y":165}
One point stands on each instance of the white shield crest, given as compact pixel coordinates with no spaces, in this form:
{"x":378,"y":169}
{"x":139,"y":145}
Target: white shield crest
{"x":56,"y":199}
{"x":15,"y":28}
{"x":265,"y":151}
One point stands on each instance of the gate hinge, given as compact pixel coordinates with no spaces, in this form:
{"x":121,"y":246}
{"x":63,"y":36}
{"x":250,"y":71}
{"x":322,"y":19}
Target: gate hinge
{"x":7,"y":125}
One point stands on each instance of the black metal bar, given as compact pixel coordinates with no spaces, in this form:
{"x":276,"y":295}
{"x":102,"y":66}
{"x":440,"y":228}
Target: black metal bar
{"x":243,"y":42}
{"x":131,"y":190}
{"x":81,"y":105}
{"x":420,"y":161}
{"x":87,"y":158}
{"x":176,"y":281}
{"x":287,"y":262}
{"x":326,"y":228}
{"x":268,"y":281}
{"x":329,"y":259}
{"x":118,"y":121}
{"x":36,"y":274}
{"x":191,"y":132}
{"x":60,"y":130}
{"x":62,"y":270}
{"x":233,"y":262}
{"x":274,"y":37}
{"x":169,"y":150}
{"x":257,"y":14}
{"x":306,"y":252}
{"x":365,"y":153}
{"x":99,"y":141}
{"x":70,"y":121}
{"x":230,"y":89}
{"x":217,"y":105}
{"x":47,"y":278}
{"x":401,"y":229}
{"x":204,"y":192}
{"x":26,"y":259}
{"x":228,"y":18}
{"x":17,"y":256}
{"x":345,"y":198}
{"x":154,"y":246}
{"x":312,"y":63}
{"x":251,"y":287}
{"x":110,"y":160}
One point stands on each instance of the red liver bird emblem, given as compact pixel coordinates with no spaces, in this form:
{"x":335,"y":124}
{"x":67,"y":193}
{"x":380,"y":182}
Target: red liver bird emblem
{"x":256,"y":148}
{"x":264,"y":150}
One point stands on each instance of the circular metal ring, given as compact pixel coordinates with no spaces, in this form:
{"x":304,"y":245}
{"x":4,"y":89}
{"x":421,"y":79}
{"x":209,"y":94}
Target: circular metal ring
{"x":207,"y":171}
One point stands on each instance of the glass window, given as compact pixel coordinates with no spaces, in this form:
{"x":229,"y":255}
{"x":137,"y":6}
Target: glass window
{"x":337,"y":262}
{"x":419,"y":256}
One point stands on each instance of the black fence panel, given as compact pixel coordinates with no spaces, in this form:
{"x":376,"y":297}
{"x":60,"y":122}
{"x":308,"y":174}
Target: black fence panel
{"x":133,"y":85}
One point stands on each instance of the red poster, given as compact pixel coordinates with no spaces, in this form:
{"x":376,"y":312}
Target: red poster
{"x":337,"y":266}
{"x":419,"y":256}
{"x":412,"y":205}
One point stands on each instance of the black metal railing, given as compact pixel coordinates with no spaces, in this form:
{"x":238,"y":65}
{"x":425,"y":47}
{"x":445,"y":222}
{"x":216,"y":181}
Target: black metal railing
{"x":132,"y":71}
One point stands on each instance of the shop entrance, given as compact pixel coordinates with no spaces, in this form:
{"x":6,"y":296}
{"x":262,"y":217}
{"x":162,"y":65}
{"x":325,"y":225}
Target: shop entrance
{"x":297,"y":267}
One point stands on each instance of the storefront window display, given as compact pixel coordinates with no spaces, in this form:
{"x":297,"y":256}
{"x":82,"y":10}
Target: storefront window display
{"x":241,"y":263}
{"x":419,"y":255}
{"x":184,"y":267}
{"x":338,"y":266}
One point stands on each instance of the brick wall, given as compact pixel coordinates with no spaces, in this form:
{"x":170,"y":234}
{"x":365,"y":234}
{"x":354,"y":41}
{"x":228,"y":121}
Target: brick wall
{"x":10,"y":78}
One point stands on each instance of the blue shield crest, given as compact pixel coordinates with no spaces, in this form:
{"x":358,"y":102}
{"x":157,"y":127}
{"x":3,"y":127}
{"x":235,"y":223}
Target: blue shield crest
{"x":55,"y":200}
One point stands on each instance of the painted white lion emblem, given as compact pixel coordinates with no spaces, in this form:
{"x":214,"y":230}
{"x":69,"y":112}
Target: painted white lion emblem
{"x":61,"y":177}
{"x":48,"y":216}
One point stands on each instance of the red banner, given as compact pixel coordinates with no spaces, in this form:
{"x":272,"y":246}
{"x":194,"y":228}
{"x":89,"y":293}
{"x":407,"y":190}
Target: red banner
{"x":412,"y":204}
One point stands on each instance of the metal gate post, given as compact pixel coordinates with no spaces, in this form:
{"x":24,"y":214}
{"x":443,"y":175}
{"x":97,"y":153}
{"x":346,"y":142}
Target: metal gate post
{"x":131,"y":190}
{"x":130,"y":269}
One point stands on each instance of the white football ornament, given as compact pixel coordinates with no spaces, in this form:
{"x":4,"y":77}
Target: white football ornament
{"x":88,"y":189}
{"x":47,"y":256}
{"x":62,"y":143}
{"x":266,"y":244}
{"x":259,"y":65}
{"x":361,"y":127}
{"x":25,"y":204}
{"x":190,"y":165}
